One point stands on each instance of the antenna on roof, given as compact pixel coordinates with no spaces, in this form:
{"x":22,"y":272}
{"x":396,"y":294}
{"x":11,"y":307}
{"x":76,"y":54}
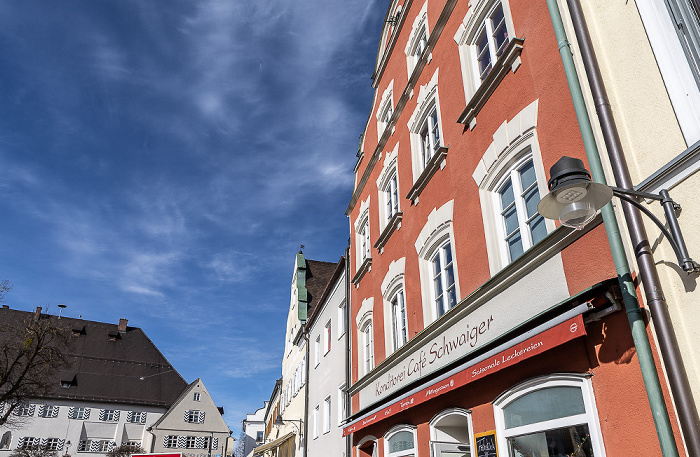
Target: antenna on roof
{"x":61,"y":306}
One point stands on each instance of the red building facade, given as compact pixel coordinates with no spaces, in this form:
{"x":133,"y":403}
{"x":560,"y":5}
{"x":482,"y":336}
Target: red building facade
{"x":476,"y":323}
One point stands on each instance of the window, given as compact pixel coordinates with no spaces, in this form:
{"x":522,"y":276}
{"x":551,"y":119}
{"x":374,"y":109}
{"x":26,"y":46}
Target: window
{"x":399,"y":327}
{"x":327,"y":338}
{"x":48,"y":411}
{"x":364,"y":240}
{"x":135,"y":444}
{"x":391,"y":196}
{"x":52,"y":444}
{"x":389,"y":206}
{"x":552,"y":415}
{"x":400,"y":441}
{"x":327,"y":415}
{"x":136,"y":417}
{"x":109,"y":415}
{"x":342,"y":319}
{"x":418,"y":40}
{"x":342,"y":409}
{"x":79,"y":413}
{"x":491,"y":40}
{"x":95,"y":446}
{"x":196,"y":396}
{"x":450,"y":433}
{"x":519,"y":195}
{"x":367,"y":347}
{"x":443,"y":279}
{"x":316,"y":419}
{"x":190,"y":442}
{"x":363,"y":245}
{"x":194,"y":416}
{"x":429,"y":136}
{"x":28,"y":442}
{"x":511,"y":179}
{"x":170,"y":441}
{"x":24,"y":410}
{"x":303,"y":371}
{"x":386,"y":108}
{"x":259,"y":437}
{"x":6,"y":440}
{"x":317,"y":351}
{"x":427,"y":151}
{"x":437,"y":264}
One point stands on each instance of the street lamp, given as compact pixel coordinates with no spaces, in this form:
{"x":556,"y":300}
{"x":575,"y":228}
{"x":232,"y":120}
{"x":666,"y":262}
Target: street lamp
{"x":280,"y":421}
{"x":574,"y":200}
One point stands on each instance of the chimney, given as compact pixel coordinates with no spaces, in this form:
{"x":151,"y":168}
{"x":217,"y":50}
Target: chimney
{"x":122,"y":325}
{"x":37,"y":313}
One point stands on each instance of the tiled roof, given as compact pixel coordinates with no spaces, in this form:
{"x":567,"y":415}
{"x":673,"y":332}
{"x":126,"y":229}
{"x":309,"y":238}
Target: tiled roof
{"x":109,"y":365}
{"x":335,"y":274}
{"x":318,"y":274}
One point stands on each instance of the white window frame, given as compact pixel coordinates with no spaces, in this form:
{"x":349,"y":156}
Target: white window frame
{"x":437,"y":441}
{"x":475,"y":21}
{"x":394,"y":281}
{"x":364,"y":317}
{"x":327,"y":415}
{"x":170,"y":442}
{"x":437,"y":232}
{"x":327,"y":337}
{"x":342,"y":319}
{"x":590,"y":417}
{"x":6,"y":440}
{"x":303,"y":371}
{"x":317,"y":351}
{"x":24,"y":410}
{"x":675,"y":70}
{"x":399,"y":319}
{"x":417,"y":40}
{"x":363,"y":245}
{"x":110,"y":415}
{"x":514,"y":143}
{"x":196,"y":396}
{"x":81,"y":413}
{"x":386,"y":109}
{"x":398,"y":429}
{"x":193,"y":416}
{"x":52,"y":444}
{"x":388,"y":188}
{"x":367,"y":340}
{"x":427,"y":102}
{"x":314,"y":431}
{"x":342,"y":404}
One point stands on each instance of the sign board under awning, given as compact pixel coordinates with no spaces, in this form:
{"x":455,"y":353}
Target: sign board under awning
{"x":555,"y":336}
{"x":273,"y":444}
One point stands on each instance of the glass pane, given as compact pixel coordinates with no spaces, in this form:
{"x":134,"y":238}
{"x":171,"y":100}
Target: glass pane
{"x":567,"y":441}
{"x":401,"y":442}
{"x":500,"y":33}
{"x":510,"y":217}
{"x":452,"y":297}
{"x":449,"y":276}
{"x":527,"y":174}
{"x":506,"y":193}
{"x":544,"y":404}
{"x":482,"y":55}
{"x":515,"y":246}
{"x":538,"y":229}
{"x":532,"y":198}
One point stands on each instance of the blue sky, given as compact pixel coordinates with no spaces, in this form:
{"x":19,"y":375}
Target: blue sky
{"x":163,"y":160}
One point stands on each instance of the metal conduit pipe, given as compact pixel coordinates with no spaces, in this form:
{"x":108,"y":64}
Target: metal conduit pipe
{"x":677,"y":375}
{"x":629,"y":296}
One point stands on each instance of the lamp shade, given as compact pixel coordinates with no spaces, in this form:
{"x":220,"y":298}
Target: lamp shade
{"x":573,"y":198}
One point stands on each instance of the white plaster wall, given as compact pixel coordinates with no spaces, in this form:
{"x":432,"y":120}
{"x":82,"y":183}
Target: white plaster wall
{"x":72,"y":429}
{"x":325,"y":379}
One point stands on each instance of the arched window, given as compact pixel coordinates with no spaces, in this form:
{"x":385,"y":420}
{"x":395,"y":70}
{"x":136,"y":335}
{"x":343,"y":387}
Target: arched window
{"x":367,"y":447}
{"x":400,"y":441}
{"x":6,"y":440}
{"x":551,"y":415}
{"x":450,"y":434}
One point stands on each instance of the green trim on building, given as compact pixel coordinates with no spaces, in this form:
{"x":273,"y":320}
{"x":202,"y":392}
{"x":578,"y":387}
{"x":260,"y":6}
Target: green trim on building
{"x":302,"y":295}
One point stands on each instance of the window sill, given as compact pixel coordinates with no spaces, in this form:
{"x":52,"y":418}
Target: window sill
{"x":364,"y":268}
{"x":438,"y":161}
{"x":394,"y":224}
{"x":509,"y":60}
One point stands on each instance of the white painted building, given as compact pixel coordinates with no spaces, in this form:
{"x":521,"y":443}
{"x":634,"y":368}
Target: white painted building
{"x":327,"y":378}
{"x":254,"y":430}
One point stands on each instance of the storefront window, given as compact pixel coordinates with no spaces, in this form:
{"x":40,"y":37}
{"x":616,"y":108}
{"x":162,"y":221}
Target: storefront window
{"x":400,"y":441}
{"x":551,"y":416}
{"x":450,"y":433}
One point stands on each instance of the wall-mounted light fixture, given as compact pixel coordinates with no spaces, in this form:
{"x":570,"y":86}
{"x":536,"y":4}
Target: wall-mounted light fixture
{"x":574,"y":200}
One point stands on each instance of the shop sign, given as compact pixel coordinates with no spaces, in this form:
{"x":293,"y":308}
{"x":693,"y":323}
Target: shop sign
{"x":531,"y":347}
{"x":485,"y":444}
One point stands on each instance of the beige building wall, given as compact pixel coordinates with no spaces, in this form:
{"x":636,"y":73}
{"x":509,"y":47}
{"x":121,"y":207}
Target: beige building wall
{"x":651,"y":137}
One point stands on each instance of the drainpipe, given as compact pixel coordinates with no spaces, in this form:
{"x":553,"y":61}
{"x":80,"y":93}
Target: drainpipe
{"x":348,"y":353}
{"x":677,"y":375}
{"x":634,"y":313}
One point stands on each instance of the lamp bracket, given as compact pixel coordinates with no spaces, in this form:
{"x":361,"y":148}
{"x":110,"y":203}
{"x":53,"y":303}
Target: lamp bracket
{"x":673,"y":233}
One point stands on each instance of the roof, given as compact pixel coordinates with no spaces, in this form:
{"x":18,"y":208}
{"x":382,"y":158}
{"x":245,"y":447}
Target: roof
{"x":318,"y":275}
{"x":109,"y":365}
{"x":337,"y":271}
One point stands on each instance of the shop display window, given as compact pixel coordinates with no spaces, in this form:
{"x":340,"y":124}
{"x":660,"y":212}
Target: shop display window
{"x":450,"y":434}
